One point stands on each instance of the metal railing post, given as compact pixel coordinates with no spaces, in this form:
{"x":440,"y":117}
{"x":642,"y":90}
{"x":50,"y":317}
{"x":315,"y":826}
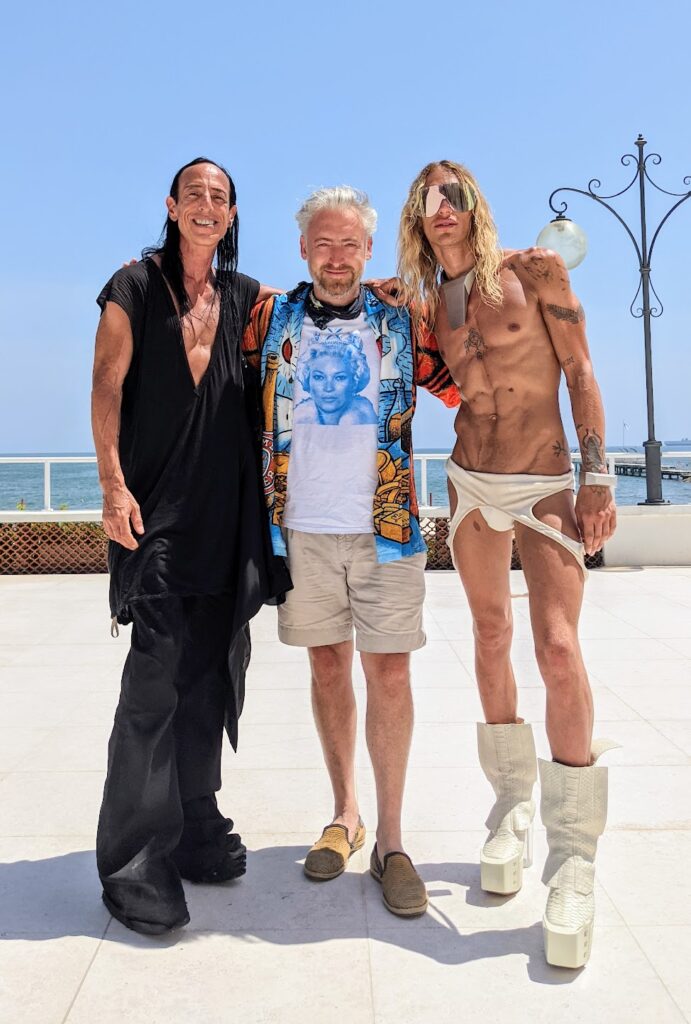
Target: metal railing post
{"x":423,"y":479}
{"x":46,"y":487}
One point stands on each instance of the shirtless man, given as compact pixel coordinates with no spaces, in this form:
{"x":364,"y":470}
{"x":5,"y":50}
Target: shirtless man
{"x":508,"y":324}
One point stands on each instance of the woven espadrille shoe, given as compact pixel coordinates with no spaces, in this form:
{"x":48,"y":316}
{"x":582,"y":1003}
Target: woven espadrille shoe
{"x":403,"y":891}
{"x":328,"y":857}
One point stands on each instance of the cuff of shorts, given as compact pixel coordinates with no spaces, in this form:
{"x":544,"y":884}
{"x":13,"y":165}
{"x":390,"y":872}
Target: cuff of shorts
{"x":313,"y":637}
{"x":400,"y":643}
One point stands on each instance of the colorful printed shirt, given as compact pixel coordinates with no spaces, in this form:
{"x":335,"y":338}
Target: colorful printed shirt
{"x":409,"y":356}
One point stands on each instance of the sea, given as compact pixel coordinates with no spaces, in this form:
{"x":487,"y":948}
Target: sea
{"x":74,"y":486}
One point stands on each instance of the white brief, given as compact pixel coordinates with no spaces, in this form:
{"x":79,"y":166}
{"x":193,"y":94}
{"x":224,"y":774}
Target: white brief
{"x":508,"y":498}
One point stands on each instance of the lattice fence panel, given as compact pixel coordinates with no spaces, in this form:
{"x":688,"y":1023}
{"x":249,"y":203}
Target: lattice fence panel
{"x":27,"y":548}
{"x":436,"y":533}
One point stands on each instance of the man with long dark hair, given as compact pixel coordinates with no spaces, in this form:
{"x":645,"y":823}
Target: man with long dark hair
{"x":176,"y":428}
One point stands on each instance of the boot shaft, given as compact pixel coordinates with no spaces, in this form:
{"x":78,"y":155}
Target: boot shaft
{"x":573,"y":806}
{"x":507,"y":757}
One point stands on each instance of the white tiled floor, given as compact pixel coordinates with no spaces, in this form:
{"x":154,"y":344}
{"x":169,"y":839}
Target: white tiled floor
{"x":273,"y":948}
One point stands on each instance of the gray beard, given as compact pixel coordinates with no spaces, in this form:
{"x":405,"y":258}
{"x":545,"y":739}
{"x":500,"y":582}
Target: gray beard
{"x":336,"y":289}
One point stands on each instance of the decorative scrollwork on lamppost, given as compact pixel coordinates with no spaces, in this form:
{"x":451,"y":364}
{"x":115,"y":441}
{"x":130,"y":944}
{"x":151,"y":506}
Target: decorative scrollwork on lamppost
{"x":570,"y":242}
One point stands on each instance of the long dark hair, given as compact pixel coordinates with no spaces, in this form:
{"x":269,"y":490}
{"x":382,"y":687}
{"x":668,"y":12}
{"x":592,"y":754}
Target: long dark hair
{"x":168,"y":245}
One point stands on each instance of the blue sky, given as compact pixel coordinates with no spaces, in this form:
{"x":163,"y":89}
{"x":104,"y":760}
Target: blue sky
{"x":102,"y":103}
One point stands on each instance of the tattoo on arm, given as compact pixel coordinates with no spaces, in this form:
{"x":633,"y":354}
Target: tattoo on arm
{"x":475,"y":344}
{"x":539,"y":267}
{"x":593,"y":452}
{"x":559,"y":449}
{"x":569,"y":316}
{"x":569,"y":362}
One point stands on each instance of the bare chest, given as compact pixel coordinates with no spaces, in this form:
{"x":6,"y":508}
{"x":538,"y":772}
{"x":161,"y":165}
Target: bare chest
{"x":199,"y":329}
{"x":501,"y":348}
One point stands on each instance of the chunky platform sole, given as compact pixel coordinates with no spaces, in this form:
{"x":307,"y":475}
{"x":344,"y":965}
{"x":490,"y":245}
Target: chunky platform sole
{"x":505,"y":877}
{"x":143,"y":927}
{"x":565,"y":947}
{"x":501,"y":877}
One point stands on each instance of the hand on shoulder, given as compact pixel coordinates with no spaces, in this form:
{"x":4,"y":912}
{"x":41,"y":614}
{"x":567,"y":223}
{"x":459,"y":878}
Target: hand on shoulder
{"x":537,"y":268}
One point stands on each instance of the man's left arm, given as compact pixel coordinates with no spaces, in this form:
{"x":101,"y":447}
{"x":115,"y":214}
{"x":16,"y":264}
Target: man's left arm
{"x":431,"y":372}
{"x":565,"y":320}
{"x":266,"y":291}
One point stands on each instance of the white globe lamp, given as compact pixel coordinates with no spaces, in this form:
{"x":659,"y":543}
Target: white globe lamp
{"x":566,"y":238}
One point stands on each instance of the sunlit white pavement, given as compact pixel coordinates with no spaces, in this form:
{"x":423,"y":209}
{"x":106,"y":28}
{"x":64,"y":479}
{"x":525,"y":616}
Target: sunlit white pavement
{"x":276,"y":948}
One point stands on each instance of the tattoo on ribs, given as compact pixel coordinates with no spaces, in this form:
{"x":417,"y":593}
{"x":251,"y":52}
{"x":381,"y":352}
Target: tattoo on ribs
{"x":559,"y":449}
{"x":593,"y":451}
{"x":569,"y":316}
{"x":475,"y":344}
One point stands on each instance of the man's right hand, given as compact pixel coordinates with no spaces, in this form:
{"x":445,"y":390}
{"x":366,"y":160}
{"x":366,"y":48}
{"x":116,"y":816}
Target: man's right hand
{"x":119,"y":511}
{"x":387,"y":289}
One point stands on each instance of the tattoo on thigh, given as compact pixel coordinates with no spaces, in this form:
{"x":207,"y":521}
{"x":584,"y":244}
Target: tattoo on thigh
{"x":569,"y":316}
{"x":475,"y":344}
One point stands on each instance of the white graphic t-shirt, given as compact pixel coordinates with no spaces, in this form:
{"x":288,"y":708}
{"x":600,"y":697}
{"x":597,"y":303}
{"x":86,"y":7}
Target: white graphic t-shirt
{"x":332,"y":474}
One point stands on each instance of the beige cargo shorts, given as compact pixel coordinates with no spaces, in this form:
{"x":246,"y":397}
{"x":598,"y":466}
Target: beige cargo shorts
{"x":338,"y":586}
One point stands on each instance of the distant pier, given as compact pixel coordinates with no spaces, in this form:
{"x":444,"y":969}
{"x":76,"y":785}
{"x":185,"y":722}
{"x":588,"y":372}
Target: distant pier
{"x":638,"y":469}
{"x":633,"y":464}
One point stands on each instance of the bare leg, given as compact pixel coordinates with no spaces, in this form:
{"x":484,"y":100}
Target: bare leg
{"x":333,"y":703}
{"x":483,"y":557}
{"x":389,"y":731}
{"x":555,"y":587}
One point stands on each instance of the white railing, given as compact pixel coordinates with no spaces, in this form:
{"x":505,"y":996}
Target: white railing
{"x":612,"y":457}
{"x":423,"y":458}
{"x":46,"y":461}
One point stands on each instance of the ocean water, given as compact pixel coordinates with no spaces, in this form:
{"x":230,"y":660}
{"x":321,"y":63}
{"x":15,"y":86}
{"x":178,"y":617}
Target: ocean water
{"x":75,"y":486}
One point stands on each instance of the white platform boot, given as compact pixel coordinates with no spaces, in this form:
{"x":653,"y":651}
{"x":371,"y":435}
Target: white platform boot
{"x":507,"y":757}
{"x":574,"y":813}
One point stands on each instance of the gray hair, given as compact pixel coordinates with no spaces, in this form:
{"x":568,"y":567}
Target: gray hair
{"x":337,"y":197}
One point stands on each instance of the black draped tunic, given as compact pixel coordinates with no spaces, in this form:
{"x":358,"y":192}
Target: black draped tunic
{"x":191,"y":458}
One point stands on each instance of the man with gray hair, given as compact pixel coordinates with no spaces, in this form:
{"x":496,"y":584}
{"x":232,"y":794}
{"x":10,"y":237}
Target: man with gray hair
{"x":339,"y":370}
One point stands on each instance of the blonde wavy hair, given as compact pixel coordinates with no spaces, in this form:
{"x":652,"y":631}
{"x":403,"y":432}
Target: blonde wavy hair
{"x":417,"y":265}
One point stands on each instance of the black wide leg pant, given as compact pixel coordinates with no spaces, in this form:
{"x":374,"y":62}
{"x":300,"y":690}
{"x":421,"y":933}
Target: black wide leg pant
{"x":164,"y":751}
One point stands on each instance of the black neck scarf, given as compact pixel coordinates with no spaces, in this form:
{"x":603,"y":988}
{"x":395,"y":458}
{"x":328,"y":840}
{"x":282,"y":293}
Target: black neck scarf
{"x":322,"y":313}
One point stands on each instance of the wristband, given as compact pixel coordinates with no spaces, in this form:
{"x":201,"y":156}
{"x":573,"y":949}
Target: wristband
{"x":597,"y":479}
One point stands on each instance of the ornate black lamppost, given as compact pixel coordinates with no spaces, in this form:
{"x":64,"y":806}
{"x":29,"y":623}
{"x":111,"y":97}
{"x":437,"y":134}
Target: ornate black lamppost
{"x":569,"y":240}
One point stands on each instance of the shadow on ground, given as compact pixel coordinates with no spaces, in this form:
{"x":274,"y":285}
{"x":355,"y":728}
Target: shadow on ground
{"x":274,"y":903}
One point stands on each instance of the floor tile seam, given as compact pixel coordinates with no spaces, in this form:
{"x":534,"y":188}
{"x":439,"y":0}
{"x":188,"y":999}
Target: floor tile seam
{"x":42,"y":935}
{"x":652,"y":723}
{"x":50,"y":735}
{"x":365,"y":903}
{"x":70,"y":643}
{"x":58,"y":771}
{"x":259,"y":833}
{"x":322,"y":934}
{"x":637,"y":715}
{"x":630,"y":929}
{"x":86,"y":972}
{"x":677,"y":638}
